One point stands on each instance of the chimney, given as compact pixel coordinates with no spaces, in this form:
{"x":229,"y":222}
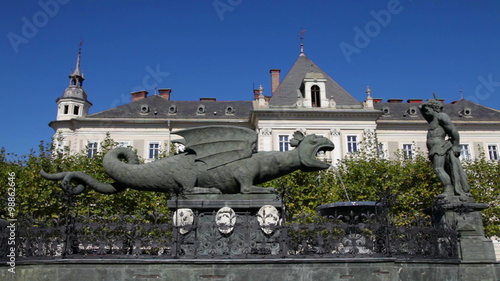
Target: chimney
{"x":395,"y":100}
{"x":208,"y":99}
{"x":275,"y":79}
{"x":414,"y":101}
{"x":139,"y":95}
{"x":377,"y":100}
{"x":165,"y":93}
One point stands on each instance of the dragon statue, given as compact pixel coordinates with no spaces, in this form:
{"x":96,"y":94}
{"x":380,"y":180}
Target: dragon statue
{"x":217,"y":159}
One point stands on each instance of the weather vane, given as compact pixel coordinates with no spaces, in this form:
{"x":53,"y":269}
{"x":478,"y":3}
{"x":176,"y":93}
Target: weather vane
{"x":301,"y":34}
{"x":80,"y":46}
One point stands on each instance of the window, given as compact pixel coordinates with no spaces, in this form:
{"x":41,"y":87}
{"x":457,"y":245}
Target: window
{"x":408,"y":151}
{"x":91,"y":148}
{"x":154,"y":150}
{"x":464,"y":152}
{"x":201,"y":109}
{"x":284,"y":143}
{"x":66,"y":109}
{"x":76,"y":110}
{"x":493,"y":151}
{"x":380,"y":150}
{"x":352,"y":144}
{"x":315,"y":96}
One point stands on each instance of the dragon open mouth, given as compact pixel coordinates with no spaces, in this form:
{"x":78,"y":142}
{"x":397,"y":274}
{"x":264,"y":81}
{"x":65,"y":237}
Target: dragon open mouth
{"x":312,"y":152}
{"x":318,"y":159}
{"x":320,"y":152}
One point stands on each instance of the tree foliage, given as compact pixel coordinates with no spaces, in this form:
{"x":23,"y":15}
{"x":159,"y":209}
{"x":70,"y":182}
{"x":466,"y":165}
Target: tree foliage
{"x":410,"y":184}
{"x":40,"y":197}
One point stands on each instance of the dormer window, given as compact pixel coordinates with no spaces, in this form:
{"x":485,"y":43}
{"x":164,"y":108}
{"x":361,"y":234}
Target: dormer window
{"x":315,"y":96}
{"x":315,"y":90}
{"x":201,"y":110}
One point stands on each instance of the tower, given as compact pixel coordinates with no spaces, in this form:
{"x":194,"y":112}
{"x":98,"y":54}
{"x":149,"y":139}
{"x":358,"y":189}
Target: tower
{"x":74,"y":103}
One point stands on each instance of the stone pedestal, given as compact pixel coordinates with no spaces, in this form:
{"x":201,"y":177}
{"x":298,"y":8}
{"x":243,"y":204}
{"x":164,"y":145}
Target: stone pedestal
{"x":226,"y":224}
{"x":211,"y":202}
{"x":466,"y":218}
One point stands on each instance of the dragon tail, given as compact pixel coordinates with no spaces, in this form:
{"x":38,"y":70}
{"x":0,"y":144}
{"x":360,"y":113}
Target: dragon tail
{"x":82,"y":180}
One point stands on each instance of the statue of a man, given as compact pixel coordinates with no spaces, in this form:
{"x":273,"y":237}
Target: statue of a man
{"x":444,"y":152}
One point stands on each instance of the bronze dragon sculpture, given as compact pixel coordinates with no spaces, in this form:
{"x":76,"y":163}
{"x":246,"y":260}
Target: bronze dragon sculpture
{"x":217,"y":159}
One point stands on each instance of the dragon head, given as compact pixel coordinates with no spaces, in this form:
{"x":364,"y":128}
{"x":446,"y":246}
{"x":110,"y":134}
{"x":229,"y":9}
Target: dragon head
{"x":308,"y":147}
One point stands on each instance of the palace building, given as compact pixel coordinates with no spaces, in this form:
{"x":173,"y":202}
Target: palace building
{"x":307,"y":99}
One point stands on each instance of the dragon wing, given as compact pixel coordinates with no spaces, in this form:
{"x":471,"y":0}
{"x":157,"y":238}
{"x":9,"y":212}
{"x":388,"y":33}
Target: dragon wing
{"x":219,"y":145}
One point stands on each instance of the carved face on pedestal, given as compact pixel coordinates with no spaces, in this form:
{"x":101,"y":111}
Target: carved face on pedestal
{"x":184,"y":218}
{"x":268,"y":218}
{"x":225,"y":220}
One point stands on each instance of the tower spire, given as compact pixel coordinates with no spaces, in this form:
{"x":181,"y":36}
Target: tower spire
{"x":77,"y":68}
{"x":74,"y":102}
{"x":76,"y":78}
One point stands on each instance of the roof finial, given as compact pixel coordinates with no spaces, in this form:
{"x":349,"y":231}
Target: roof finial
{"x":301,"y":35}
{"x":77,"y":68}
{"x":368,"y":91}
{"x":76,"y":78}
{"x":435,"y":95}
{"x":461,"y":93}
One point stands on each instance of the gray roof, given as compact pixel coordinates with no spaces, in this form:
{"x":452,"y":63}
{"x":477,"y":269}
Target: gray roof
{"x":461,"y":110}
{"x":75,"y":92}
{"x":158,"y":107}
{"x":286,"y":94}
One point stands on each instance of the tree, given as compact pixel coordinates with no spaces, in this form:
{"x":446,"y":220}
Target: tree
{"x":366,"y":176}
{"x":39,"y":197}
{"x":484,"y":179}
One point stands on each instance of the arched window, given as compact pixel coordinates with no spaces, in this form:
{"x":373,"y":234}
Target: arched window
{"x":315,"y":96}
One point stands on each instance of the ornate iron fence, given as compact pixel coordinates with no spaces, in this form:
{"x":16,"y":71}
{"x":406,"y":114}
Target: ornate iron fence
{"x":154,"y":236}
{"x":188,"y":234}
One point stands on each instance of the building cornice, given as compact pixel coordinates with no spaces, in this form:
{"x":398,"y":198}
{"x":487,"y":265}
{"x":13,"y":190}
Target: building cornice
{"x":370,"y":115}
{"x":76,"y":123}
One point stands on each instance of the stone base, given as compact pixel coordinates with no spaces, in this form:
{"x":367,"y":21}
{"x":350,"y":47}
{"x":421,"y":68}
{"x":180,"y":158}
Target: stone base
{"x":466,"y":217}
{"x":249,"y":270}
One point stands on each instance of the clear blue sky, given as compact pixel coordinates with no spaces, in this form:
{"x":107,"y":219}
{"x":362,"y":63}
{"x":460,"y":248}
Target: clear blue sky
{"x":401,"y":49}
